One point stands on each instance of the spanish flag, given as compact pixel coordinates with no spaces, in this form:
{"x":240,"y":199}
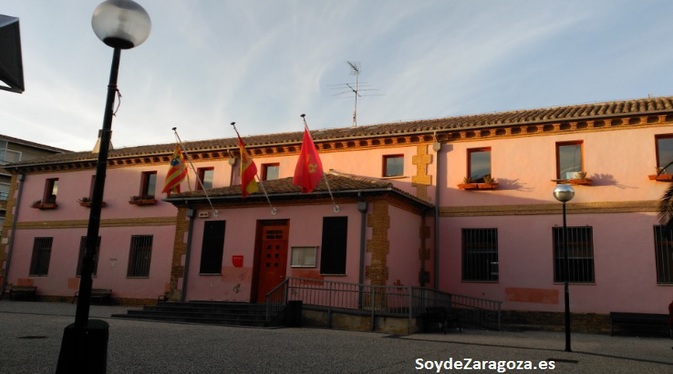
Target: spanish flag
{"x":248,"y":171}
{"x":177,"y":172}
{"x":308,"y":171}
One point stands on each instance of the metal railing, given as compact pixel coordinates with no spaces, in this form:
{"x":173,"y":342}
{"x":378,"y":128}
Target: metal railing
{"x":400,"y":301}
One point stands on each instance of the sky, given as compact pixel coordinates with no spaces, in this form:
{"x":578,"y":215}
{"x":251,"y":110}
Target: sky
{"x":262,"y":63}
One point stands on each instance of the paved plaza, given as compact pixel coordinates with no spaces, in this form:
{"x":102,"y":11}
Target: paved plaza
{"x":31,"y":337}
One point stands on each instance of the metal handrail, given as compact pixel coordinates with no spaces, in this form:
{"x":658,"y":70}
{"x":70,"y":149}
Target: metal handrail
{"x":402,"y":301}
{"x":276,"y":300}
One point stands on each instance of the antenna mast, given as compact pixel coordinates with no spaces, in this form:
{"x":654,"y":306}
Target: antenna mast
{"x":355,"y":70}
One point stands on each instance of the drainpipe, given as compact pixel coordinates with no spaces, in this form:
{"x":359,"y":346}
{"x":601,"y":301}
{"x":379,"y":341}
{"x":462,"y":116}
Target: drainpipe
{"x":437,"y":147}
{"x":191,"y":213}
{"x":10,"y":242}
{"x":362,"y":208}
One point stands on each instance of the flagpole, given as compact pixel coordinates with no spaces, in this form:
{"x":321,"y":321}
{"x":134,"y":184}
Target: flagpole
{"x":324,"y":175}
{"x":177,"y":137}
{"x":259,"y":181}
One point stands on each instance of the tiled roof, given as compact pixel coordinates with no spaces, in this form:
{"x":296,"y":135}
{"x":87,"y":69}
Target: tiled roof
{"x":339,"y":184}
{"x":27,"y":143}
{"x":531,"y":116}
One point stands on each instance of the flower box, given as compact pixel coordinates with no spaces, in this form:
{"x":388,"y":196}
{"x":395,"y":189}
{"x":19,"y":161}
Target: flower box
{"x":44,"y":205}
{"x":142,"y":201}
{"x":478,"y":186}
{"x":661,"y":177}
{"x":86,"y":202}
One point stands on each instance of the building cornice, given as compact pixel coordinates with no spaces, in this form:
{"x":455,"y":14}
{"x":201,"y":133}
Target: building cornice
{"x":650,"y":112}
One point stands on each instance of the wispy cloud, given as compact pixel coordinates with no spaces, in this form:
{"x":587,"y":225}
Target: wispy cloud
{"x":263,"y":63}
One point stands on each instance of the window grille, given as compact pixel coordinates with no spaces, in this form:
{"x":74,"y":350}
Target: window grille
{"x":82,"y":249}
{"x":480,"y":254}
{"x":663,"y":252}
{"x":580,"y":244}
{"x":140,"y":256}
{"x":39,"y":264}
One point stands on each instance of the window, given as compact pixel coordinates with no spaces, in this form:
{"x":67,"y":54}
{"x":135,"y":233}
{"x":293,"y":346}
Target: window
{"x":303,"y":257}
{"x":140,"y":256}
{"x":7,"y":155}
{"x":663,"y":254}
{"x":480,"y":254}
{"x":80,"y":260}
{"x":569,"y":159}
{"x":270,"y":171}
{"x":50,"y":190}
{"x":393,"y":165}
{"x":334,"y":241}
{"x":39,"y":263}
{"x":148,"y":184}
{"x":479,"y":164}
{"x":580,"y":254}
{"x":212,"y":247}
{"x":665,"y":152}
{"x":4,"y":191}
{"x":206,"y":178}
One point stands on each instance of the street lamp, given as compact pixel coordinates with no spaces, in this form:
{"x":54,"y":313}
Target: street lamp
{"x":120,"y":24}
{"x":565,"y":193}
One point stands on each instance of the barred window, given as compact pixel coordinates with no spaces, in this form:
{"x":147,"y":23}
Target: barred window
{"x":663,"y":253}
{"x":580,"y":244}
{"x":82,"y":249}
{"x":480,"y":254}
{"x":39,"y":264}
{"x":140,"y":256}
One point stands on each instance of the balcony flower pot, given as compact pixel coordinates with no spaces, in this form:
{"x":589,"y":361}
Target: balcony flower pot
{"x":86,"y":202}
{"x":44,"y":205}
{"x":661,"y":177}
{"x":143,"y":200}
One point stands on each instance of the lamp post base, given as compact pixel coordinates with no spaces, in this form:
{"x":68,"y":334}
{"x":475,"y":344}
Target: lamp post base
{"x":84,"y":350}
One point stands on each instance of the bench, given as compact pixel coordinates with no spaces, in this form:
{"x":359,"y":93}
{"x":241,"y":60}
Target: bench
{"x":639,"y":323}
{"x":22,"y":292}
{"x":439,"y":316}
{"x":101,"y":295}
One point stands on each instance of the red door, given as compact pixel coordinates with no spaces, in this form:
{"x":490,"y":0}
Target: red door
{"x":272,"y":258}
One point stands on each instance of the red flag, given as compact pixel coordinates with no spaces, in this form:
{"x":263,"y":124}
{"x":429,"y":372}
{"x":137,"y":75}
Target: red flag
{"x":176,"y":172}
{"x":308,"y":171}
{"x":248,"y":171}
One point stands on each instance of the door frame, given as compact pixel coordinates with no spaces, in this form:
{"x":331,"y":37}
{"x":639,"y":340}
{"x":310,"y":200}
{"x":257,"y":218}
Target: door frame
{"x":258,"y":249}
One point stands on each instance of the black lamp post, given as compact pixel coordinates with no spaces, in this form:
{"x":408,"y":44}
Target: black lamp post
{"x":120,"y":24}
{"x":565,"y":193}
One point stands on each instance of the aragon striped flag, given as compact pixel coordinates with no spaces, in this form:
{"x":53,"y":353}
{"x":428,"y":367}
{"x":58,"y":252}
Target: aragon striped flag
{"x":248,"y":171}
{"x":308,"y":172}
{"x":177,"y":172}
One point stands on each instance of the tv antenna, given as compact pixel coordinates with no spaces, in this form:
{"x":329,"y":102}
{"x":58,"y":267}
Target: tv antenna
{"x":355,"y":70}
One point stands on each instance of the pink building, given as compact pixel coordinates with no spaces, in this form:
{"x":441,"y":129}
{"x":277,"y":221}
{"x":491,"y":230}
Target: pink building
{"x":461,"y":204}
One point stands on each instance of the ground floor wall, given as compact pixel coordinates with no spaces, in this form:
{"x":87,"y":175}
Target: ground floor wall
{"x":624,"y":263}
{"x":57,"y":276}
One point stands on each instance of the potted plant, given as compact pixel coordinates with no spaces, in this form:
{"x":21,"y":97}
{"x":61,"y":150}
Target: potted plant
{"x":86,"y":202}
{"x":489,"y":183}
{"x":662,"y":175}
{"x":142,"y":200}
{"x":580,"y":178}
{"x":39,"y":204}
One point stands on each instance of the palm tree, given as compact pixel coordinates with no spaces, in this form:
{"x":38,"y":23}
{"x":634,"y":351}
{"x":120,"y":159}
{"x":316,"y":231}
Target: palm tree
{"x":666,"y":204}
